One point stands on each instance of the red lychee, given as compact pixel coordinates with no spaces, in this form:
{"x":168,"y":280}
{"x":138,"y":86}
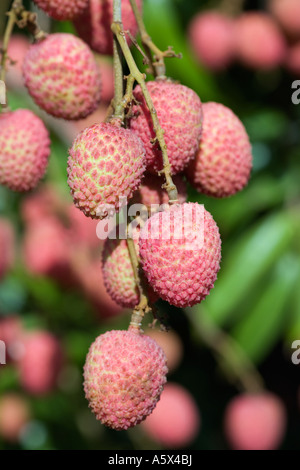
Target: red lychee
{"x":106,"y":164}
{"x":7,"y":246}
{"x":40,"y":363}
{"x":287,"y":13}
{"x":293,"y":59}
{"x":11,"y":332}
{"x":259,"y":42}
{"x":223,"y":162}
{"x":175,"y":421}
{"x":62,"y":10}
{"x":255,"y":422}
{"x":179,"y":111}
{"x":170,"y":343}
{"x":94,"y":24}
{"x":151,"y":193}
{"x":24,"y":149}
{"x":211,"y":36}
{"x":62,"y":76}
{"x":14,"y":415}
{"x":180,"y":252}
{"x":124,"y":375}
{"x":17,"y":49}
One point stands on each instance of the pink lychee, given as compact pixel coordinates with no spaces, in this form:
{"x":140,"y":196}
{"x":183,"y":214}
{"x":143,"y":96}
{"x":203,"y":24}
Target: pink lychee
{"x":7,"y":246}
{"x":259,"y":43}
{"x":124,"y":375}
{"x":106,"y":164}
{"x":93,"y":26}
{"x":62,"y":10}
{"x":287,"y":13}
{"x":211,"y":36}
{"x":151,"y":193}
{"x":170,"y":343}
{"x":293,"y":59}
{"x":179,"y":111}
{"x":14,"y":415}
{"x":175,"y":421}
{"x":40,"y":363}
{"x":223,"y":162}
{"x":24,"y":149}
{"x":180,"y":252}
{"x":107,"y":78}
{"x":11,"y":332}
{"x":255,"y":422}
{"x":17,"y":49}
{"x":62,"y":76}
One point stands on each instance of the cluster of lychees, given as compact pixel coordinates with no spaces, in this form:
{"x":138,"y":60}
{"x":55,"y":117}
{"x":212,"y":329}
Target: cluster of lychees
{"x":257,"y":40}
{"x":162,"y":128}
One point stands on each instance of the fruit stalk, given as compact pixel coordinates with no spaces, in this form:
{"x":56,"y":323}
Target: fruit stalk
{"x":139,"y":77}
{"x":118,"y":68}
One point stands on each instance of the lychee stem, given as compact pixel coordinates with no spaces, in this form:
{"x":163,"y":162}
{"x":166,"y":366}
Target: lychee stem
{"x":118,"y":67}
{"x":139,"y":77}
{"x":230,"y":356}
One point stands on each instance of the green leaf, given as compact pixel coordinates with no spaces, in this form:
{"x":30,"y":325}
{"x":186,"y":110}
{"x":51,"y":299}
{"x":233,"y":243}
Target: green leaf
{"x":260,"y":330}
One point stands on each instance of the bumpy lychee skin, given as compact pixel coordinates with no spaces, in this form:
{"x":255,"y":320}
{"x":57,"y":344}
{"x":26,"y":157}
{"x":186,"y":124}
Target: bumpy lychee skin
{"x":124,"y":375}
{"x":223,"y":163}
{"x":62,"y":76}
{"x":179,"y":111}
{"x":63,"y":10}
{"x":14,"y":415}
{"x":93,"y":26}
{"x":24,"y":150}
{"x":259,"y":42}
{"x":150,"y":192}
{"x":7,"y":246}
{"x":255,"y":422}
{"x":287,"y":13}
{"x":106,"y":163}
{"x":40,"y":363}
{"x":211,"y":36}
{"x":175,"y":421}
{"x":180,"y":251}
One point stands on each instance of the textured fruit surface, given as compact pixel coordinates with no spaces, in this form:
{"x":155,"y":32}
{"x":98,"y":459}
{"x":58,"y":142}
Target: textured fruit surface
{"x":180,"y":251}
{"x":293,"y":59}
{"x":287,"y":13}
{"x":24,"y":149}
{"x":223,"y":162}
{"x":170,"y":343}
{"x":62,"y":9}
{"x":106,"y":163}
{"x":211,"y":36}
{"x":94,"y":24}
{"x":255,"y":422}
{"x":62,"y":76}
{"x":7,"y":246}
{"x":151,"y":193}
{"x":124,"y":375}
{"x":179,"y":111}
{"x":259,"y":42}
{"x":14,"y":415}
{"x":175,"y":421}
{"x":40,"y":363}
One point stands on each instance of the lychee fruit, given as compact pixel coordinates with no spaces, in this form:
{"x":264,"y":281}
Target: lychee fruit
{"x":287,"y":13}
{"x":211,"y":35}
{"x":180,"y":252}
{"x":170,"y":343}
{"x":24,"y":149}
{"x":259,"y":43}
{"x":11,"y":333}
{"x":179,"y":111}
{"x":175,"y":422}
{"x":62,"y":76}
{"x":40,"y":363}
{"x":94,"y":25}
{"x":255,"y":422}
{"x":223,"y":163}
{"x":105,"y":166}
{"x":14,"y":415}
{"x":63,"y":10}
{"x":17,"y":49}
{"x":124,"y":375}
{"x":151,"y":193}
{"x":107,"y":78}
{"x":7,"y":246}
{"x":293,"y":59}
